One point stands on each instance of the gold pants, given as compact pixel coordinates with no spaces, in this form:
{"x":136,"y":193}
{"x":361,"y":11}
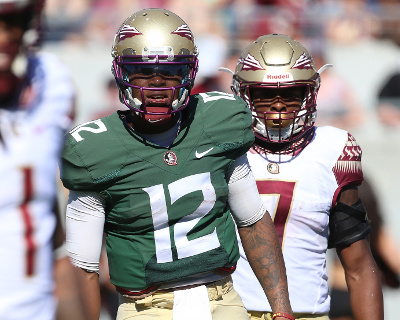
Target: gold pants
{"x":258,"y":315}
{"x":225,"y":303}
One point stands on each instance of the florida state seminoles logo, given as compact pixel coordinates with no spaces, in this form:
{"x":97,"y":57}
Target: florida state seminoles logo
{"x":127,"y":31}
{"x":273,"y":168}
{"x":183,"y":31}
{"x":170,"y":158}
{"x":250,"y":63}
{"x":303,"y":62}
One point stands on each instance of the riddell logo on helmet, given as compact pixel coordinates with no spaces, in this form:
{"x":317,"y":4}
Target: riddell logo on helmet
{"x":278,"y":77}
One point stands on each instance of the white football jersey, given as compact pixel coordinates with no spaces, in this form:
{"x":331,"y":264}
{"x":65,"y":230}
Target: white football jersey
{"x":299,"y":192}
{"x":31,"y":139}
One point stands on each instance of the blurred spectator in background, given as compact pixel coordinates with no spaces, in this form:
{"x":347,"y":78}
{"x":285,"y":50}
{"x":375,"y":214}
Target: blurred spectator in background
{"x":65,"y":20}
{"x":388,"y":107}
{"x":36,"y":108}
{"x":224,"y":78}
{"x":349,"y":21}
{"x":108,"y":293}
{"x":202,"y":15}
{"x":212,"y":52}
{"x":383,"y":246}
{"x":273,"y":17}
{"x":338,"y":105}
{"x":389,"y":13}
{"x":112,"y":102}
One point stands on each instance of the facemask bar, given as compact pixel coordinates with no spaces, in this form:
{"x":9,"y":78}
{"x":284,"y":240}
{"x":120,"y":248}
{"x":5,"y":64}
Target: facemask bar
{"x":300,"y":121}
{"x":126,"y":88}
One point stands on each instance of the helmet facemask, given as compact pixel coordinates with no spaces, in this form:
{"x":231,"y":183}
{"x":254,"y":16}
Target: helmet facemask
{"x":180,"y":66}
{"x":281,"y":126}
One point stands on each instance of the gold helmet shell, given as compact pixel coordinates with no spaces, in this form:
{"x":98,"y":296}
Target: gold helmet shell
{"x":153,"y":28}
{"x":278,"y":61}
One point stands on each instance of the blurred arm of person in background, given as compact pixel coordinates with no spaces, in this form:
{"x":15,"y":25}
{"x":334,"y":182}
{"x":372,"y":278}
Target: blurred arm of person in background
{"x":67,"y":289}
{"x":388,"y":107}
{"x":338,"y":105}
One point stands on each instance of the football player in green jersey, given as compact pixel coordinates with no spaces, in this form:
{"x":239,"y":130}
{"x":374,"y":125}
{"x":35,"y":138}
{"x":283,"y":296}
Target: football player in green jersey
{"x":162,"y":180}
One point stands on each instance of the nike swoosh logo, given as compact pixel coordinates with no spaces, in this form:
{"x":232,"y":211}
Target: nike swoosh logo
{"x":202,"y":154}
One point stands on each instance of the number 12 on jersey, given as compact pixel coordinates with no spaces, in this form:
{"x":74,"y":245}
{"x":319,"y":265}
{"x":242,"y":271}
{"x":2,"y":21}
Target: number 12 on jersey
{"x":178,"y":189}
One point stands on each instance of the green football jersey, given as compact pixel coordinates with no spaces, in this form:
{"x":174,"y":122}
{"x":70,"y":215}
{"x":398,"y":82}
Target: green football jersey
{"x":167,"y":215}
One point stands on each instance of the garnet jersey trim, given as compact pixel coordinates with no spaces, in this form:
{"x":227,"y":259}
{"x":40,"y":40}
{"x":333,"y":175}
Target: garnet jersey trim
{"x":348,"y":169}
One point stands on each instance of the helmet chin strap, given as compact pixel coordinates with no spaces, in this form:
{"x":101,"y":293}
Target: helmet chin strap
{"x":284,"y":133}
{"x":133,"y":102}
{"x":176,"y":104}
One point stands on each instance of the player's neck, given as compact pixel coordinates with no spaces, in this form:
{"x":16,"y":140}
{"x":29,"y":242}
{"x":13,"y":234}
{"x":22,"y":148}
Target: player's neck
{"x":139,"y":124}
{"x":269,"y":147}
{"x":292,"y":147}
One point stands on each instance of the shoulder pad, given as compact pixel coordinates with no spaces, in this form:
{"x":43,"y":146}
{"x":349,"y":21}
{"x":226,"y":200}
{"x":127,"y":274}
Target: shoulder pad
{"x":227,"y":120}
{"x":88,"y":159}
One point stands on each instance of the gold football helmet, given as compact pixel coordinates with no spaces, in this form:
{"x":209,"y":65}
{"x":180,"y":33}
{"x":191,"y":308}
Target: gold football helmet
{"x":154,"y":41}
{"x":277,"y":61}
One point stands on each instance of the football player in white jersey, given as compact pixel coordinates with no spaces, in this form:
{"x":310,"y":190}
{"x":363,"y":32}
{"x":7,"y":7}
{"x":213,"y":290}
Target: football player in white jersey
{"x":308,"y":178}
{"x":36,"y":104}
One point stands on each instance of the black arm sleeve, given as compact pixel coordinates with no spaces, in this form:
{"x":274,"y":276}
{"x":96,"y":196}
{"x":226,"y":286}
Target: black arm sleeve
{"x":347,"y":224}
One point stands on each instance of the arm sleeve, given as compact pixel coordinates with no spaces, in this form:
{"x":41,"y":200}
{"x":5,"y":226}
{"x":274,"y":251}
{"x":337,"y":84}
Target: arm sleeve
{"x":84,"y":229}
{"x":244,"y":200}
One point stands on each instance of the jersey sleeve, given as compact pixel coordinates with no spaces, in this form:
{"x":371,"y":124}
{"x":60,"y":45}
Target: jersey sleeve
{"x":348,"y":169}
{"x":75,"y":175}
{"x":88,"y":159}
{"x":227,"y":121}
